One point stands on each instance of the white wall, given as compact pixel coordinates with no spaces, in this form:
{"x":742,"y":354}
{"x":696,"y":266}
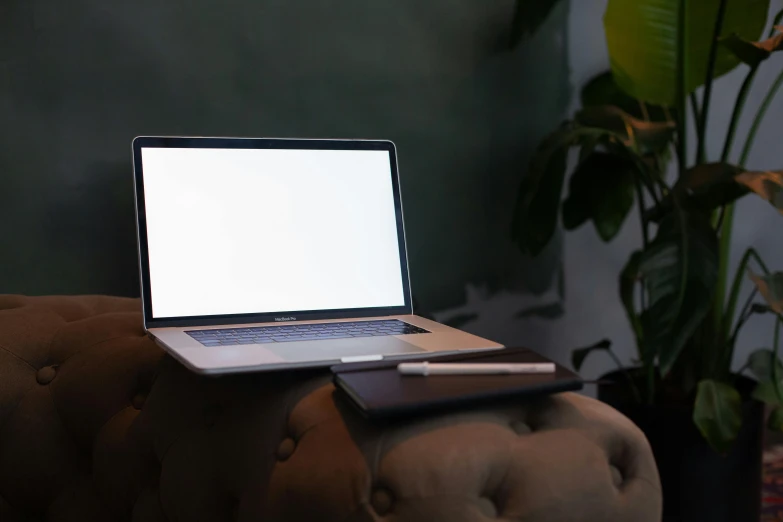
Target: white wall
{"x":593,"y":308}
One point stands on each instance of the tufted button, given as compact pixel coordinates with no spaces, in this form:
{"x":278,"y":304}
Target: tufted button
{"x":382,"y":501}
{"x":138,"y":401}
{"x":46,"y":375}
{"x":521,"y":428}
{"x":286,"y":449}
{"x":617,"y":477}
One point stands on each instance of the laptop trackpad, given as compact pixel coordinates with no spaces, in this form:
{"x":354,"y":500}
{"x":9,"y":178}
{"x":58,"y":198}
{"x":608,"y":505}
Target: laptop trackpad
{"x":336,"y":349}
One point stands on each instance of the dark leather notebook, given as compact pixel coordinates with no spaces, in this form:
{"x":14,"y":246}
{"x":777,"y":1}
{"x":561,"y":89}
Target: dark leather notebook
{"x":380,"y":391}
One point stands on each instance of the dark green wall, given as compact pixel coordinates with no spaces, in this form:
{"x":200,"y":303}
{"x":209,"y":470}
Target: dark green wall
{"x":79,"y":79}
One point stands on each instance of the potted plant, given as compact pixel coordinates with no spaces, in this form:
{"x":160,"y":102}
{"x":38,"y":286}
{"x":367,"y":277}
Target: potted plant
{"x":702,"y":417}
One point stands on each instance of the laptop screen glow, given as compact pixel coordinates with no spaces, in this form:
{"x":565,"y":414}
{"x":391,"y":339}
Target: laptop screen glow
{"x":235,"y":231}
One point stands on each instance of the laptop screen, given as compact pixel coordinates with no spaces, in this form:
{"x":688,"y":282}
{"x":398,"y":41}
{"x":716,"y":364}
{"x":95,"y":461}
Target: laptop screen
{"x":270,"y":230}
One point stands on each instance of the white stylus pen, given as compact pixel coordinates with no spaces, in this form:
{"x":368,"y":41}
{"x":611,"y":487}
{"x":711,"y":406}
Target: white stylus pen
{"x":427,"y":368}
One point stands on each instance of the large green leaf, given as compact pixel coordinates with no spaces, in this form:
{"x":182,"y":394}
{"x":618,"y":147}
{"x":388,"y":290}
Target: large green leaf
{"x":629,"y":277}
{"x":765,"y":366}
{"x":767,"y":184}
{"x":578,"y":210}
{"x":771,"y":288}
{"x":602,"y":189}
{"x":760,"y":364}
{"x":704,"y":188}
{"x":711,"y":185}
{"x":528,"y":17}
{"x":718,"y":413}
{"x":642,"y":36}
{"x":708,"y":174}
{"x":753,"y":53}
{"x":588,"y":145}
{"x":680,"y":270}
{"x":644,"y":136}
{"x":603,"y":90}
{"x":765,"y":392}
{"x":538,"y":200}
{"x":775,"y":420}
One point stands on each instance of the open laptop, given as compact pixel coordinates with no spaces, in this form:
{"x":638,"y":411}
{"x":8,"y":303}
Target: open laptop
{"x":266,"y":254}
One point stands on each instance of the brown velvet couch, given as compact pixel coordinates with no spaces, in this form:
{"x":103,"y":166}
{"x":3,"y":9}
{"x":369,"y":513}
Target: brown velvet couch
{"x":97,"y":424}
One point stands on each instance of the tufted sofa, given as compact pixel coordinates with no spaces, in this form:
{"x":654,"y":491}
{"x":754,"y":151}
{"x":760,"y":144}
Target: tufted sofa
{"x":97,"y":424}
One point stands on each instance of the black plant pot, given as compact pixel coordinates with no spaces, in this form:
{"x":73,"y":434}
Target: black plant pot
{"x":699,"y":485}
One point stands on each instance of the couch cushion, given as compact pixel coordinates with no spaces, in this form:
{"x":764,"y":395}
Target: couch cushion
{"x":70,"y":368}
{"x":96,"y":424}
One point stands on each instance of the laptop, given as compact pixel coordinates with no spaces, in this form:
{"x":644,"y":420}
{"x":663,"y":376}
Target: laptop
{"x":271,"y":254}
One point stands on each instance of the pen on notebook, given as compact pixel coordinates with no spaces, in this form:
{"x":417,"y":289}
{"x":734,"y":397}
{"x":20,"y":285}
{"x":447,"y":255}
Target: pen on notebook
{"x":427,"y":368}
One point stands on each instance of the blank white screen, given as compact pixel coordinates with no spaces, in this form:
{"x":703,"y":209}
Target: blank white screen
{"x":233,"y":231}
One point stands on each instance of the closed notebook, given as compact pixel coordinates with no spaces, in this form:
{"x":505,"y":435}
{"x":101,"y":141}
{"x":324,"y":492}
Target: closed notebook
{"x":379,"y":390}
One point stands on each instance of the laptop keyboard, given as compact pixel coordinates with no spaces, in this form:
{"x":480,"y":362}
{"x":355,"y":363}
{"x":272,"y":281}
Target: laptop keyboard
{"x":303,"y":332}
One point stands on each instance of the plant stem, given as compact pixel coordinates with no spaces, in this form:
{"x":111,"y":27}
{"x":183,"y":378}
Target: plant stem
{"x":725,"y":238}
{"x":646,"y":241}
{"x":719,"y":221}
{"x":642,"y":213}
{"x":739,"y":104}
{"x":682,"y":94}
{"x":776,"y":344}
{"x":695,"y":106}
{"x":667,"y":113}
{"x":682,"y":149}
{"x":739,"y":276}
{"x":701,"y":125}
{"x":634,"y":390}
{"x":744,"y":316}
{"x":762,"y":111}
{"x":723,"y":265}
{"x":650,"y":382}
{"x":649,"y":180}
{"x":728,"y":213}
{"x":643,"y":109}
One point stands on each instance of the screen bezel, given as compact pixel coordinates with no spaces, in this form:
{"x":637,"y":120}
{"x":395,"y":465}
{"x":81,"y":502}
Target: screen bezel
{"x":261,"y":143}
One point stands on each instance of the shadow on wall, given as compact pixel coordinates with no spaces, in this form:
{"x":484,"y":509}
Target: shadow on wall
{"x":77,"y":84}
